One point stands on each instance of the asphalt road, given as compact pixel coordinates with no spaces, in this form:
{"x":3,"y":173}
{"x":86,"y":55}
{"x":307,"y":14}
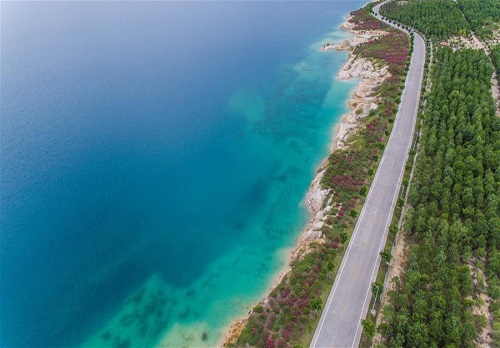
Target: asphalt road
{"x":347,"y":304}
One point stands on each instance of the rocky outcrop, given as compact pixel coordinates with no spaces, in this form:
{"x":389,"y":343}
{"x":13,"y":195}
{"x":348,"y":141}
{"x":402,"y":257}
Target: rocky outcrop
{"x":363,"y":99}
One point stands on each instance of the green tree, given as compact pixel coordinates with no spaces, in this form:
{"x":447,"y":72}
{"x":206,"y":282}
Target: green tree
{"x":386,"y":256}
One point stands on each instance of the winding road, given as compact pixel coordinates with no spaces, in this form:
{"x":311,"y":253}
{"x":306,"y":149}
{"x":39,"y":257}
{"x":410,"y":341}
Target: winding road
{"x":347,"y":304}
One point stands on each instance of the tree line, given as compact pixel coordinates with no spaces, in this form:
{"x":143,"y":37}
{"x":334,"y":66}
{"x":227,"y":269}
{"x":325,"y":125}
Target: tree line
{"x":495,"y":52}
{"x":453,"y":220}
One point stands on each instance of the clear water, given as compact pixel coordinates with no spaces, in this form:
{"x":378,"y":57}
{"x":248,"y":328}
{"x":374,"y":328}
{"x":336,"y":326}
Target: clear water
{"x":154,"y":156}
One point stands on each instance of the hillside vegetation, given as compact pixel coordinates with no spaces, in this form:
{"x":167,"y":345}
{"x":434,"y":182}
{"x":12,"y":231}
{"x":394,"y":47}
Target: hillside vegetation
{"x":454,"y":218}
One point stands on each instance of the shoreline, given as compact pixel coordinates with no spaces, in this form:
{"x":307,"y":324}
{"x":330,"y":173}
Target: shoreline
{"x":360,"y":103}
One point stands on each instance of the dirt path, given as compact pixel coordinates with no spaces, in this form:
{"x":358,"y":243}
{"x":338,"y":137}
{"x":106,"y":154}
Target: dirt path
{"x":482,"y":304}
{"x":495,"y":90}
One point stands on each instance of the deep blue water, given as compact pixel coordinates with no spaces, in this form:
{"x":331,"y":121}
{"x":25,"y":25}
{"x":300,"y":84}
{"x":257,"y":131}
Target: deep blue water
{"x":163,"y":146}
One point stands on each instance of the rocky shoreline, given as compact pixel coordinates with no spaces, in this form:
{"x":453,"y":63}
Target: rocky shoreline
{"x":361,"y":102}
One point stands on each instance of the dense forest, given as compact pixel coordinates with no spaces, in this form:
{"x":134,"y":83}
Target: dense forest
{"x":438,"y":19}
{"x":483,"y":15}
{"x":451,"y":289}
{"x":454,"y":218}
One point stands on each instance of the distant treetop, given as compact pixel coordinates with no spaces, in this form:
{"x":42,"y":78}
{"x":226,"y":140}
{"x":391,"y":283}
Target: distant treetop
{"x":483,"y":15}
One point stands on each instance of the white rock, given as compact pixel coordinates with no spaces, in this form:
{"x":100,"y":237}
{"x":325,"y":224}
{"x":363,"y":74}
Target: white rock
{"x":317,"y":234}
{"x":319,"y":216}
{"x":318,"y":225}
{"x":312,"y":234}
{"x":343,"y":75}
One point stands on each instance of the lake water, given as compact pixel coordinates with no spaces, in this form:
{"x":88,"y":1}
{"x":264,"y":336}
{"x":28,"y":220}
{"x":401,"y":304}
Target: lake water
{"x":154,"y":156}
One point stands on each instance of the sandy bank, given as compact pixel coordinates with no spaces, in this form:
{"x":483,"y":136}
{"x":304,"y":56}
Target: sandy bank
{"x":317,"y":199}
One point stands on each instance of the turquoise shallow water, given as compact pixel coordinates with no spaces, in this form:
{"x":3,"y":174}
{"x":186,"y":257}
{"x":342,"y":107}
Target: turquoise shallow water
{"x":154,"y":157}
